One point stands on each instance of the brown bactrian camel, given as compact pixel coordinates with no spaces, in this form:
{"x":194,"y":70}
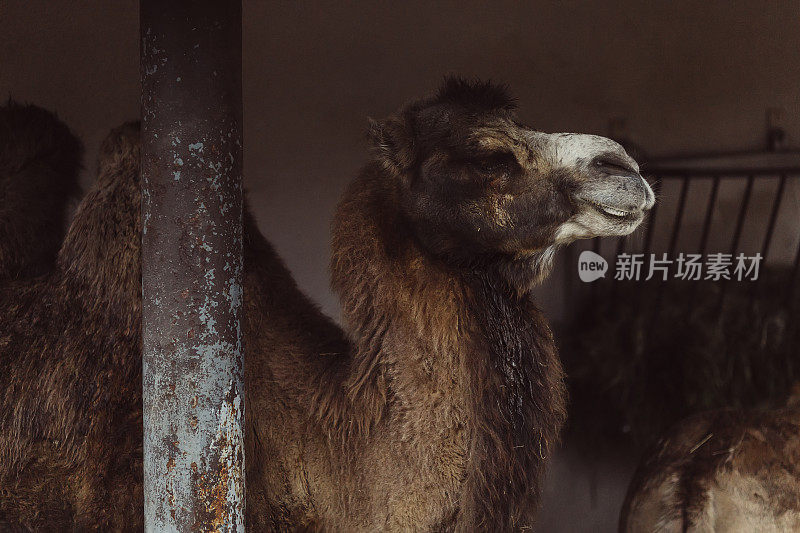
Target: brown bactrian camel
{"x":70,"y":353}
{"x":39,"y":163}
{"x":434,"y":408}
{"x":728,"y":470}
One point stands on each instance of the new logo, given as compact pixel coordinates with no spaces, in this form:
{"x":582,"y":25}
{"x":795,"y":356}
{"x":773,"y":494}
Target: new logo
{"x":591,"y":266}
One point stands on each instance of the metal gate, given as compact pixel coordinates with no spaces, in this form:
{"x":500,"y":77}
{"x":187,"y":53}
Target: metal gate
{"x":641,"y":354}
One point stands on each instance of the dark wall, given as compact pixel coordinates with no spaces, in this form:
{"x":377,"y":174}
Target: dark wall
{"x":685,"y":76}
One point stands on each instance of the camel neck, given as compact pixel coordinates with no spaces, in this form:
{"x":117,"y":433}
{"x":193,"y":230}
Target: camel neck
{"x":423,"y":330}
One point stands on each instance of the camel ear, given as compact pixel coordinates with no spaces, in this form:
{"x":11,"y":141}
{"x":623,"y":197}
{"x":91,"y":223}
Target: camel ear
{"x":391,"y":142}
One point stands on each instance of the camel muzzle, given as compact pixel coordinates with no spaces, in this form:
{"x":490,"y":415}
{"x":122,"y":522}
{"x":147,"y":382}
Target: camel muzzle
{"x":616,"y":189}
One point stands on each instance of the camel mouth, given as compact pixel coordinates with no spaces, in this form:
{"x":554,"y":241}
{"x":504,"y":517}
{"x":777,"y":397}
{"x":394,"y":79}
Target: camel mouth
{"x":615,"y":213}
{"x":615,"y":205}
{"x":613,"y":210}
{"x":606,"y":216}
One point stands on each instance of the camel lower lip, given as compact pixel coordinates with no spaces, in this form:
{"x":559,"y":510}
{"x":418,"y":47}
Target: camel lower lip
{"x":613,"y":212}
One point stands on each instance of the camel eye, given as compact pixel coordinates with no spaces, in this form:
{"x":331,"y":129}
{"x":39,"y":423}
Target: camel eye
{"x":497,"y":163}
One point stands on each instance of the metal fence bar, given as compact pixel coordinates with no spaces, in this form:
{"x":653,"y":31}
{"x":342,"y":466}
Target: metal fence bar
{"x":192,"y":265}
{"x":737,"y":234}
{"x":621,"y":241}
{"x":651,"y":220}
{"x":790,"y":298}
{"x":712,"y":200}
{"x":648,"y":236}
{"x":676,"y":226}
{"x":765,"y":245}
{"x":773,"y":217}
{"x":673,"y":242}
{"x":620,"y":248}
{"x":595,"y":286}
{"x":705,"y":232}
{"x":748,"y":192}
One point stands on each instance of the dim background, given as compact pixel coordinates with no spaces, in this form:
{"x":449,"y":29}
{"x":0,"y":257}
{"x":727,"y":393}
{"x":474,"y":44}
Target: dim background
{"x":676,"y":78}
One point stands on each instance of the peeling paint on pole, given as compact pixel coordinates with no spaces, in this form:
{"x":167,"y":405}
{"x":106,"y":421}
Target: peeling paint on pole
{"x":192,"y":266}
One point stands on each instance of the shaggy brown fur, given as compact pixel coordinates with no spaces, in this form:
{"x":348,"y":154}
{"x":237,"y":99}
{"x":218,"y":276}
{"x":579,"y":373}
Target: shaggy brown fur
{"x":435,"y":408}
{"x":720,"y":471}
{"x":441,"y":414}
{"x":70,"y":342}
{"x":39,"y":164}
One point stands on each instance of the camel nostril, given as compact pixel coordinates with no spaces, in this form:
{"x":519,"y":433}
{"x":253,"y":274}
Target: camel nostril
{"x":614,"y":166}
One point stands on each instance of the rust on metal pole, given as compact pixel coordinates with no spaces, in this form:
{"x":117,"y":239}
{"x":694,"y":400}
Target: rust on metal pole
{"x":192,"y":265}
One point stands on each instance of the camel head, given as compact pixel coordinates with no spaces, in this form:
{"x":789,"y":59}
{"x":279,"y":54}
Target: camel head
{"x":477,"y":186}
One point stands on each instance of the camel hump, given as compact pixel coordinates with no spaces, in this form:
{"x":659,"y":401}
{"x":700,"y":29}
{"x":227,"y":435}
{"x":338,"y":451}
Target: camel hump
{"x":29,"y":133}
{"x":120,"y":147}
{"x":720,"y":471}
{"x":102,"y":245}
{"x":40,"y":159}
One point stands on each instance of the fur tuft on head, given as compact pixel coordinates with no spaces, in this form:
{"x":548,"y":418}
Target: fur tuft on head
{"x":396,"y":140}
{"x":475,"y":95}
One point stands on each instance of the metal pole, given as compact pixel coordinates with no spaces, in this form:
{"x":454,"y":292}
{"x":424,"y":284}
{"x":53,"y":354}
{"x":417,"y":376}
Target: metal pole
{"x":192,"y":265}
